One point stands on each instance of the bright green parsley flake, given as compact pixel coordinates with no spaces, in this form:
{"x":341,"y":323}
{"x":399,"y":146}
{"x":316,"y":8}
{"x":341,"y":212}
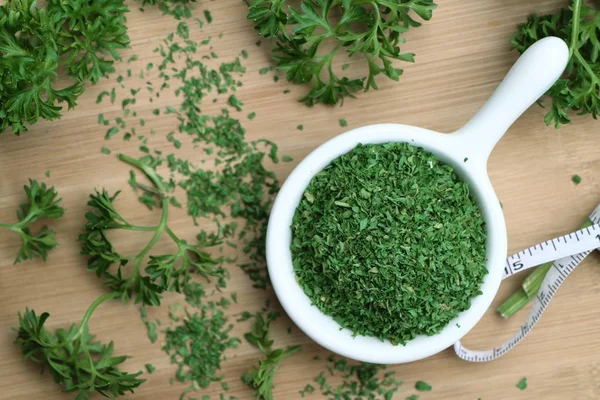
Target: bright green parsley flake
{"x":234,"y":102}
{"x":308,"y":389}
{"x":388,"y":241}
{"x":576,"y":179}
{"x":343,"y":123}
{"x":287,"y":159}
{"x":413,"y":397}
{"x":300,"y":127}
{"x":522,"y":384}
{"x":423,"y":386}
{"x":101,"y":96}
{"x":47,"y":173}
{"x":252,"y":115}
{"x":150,"y":368}
{"x":264,"y":70}
{"x":112,"y":131}
{"x":208,"y":16}
{"x":105,"y":150}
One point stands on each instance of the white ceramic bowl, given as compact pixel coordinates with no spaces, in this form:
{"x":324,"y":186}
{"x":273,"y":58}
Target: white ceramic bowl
{"x":467,"y":150}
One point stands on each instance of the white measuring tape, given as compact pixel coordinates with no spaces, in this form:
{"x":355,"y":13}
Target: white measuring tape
{"x":568,"y":251}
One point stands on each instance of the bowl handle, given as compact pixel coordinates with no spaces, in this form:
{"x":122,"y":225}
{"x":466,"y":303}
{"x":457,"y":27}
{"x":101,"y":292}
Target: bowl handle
{"x":530,"y":77}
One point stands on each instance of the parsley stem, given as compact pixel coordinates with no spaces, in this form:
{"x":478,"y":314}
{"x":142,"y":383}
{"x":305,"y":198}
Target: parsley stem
{"x":11,"y":227}
{"x":150,"y":173}
{"x":158,"y":232}
{"x":138,"y":228}
{"x":90,"y":311}
{"x":573,"y":48}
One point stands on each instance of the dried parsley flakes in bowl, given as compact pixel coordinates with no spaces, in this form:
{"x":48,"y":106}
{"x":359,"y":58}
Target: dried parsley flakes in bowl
{"x":389,"y":242}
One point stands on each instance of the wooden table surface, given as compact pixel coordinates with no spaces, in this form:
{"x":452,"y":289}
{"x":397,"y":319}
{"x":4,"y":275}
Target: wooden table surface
{"x":462,"y":54}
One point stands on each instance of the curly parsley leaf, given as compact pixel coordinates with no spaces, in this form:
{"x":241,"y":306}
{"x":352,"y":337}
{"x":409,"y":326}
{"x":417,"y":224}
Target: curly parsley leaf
{"x":93,"y":34}
{"x":136,"y":277}
{"x":308,"y":39}
{"x":81,"y":37}
{"x":578,"y":90}
{"x":42,"y":202}
{"x":75,"y":361}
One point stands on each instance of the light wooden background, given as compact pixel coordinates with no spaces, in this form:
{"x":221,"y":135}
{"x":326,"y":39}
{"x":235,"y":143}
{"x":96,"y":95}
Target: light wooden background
{"x":462,"y":54}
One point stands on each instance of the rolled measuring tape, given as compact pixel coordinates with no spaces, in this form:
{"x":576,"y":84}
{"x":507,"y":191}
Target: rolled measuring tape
{"x":568,"y":251}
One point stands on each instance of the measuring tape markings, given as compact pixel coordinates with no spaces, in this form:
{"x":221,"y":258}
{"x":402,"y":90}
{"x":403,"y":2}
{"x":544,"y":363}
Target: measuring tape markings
{"x":572,"y":243}
{"x":557,"y":274}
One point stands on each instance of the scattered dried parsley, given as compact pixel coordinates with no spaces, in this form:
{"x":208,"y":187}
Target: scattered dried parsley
{"x":576,"y":179}
{"x":150,"y":368}
{"x":308,"y":389}
{"x":360,"y":381}
{"x":388,"y":241}
{"x":522,"y":384}
{"x":343,"y":123}
{"x":151,"y":327}
{"x":300,"y":127}
{"x":197,"y":344}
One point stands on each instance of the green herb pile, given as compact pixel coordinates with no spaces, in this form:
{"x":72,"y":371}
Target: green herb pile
{"x":388,"y":241}
{"x":198,"y":343}
{"x":578,"y":91}
{"x":75,"y":361}
{"x":80,"y":37}
{"x":308,"y":38}
{"x":42,"y":203}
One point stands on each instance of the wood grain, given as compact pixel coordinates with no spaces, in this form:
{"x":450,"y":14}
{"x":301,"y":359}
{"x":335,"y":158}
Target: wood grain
{"x":462,"y":54}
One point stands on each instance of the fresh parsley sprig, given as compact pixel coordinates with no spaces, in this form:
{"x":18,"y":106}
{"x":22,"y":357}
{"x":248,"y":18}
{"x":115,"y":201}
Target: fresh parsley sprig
{"x":42,"y":202}
{"x":370,"y":29}
{"x":92,"y":34}
{"x":162,"y":272}
{"x":82,"y":37}
{"x":261,"y":377}
{"x":75,"y":361}
{"x":579,"y":88}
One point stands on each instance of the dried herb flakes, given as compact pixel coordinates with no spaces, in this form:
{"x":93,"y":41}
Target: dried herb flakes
{"x":388,"y":241}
